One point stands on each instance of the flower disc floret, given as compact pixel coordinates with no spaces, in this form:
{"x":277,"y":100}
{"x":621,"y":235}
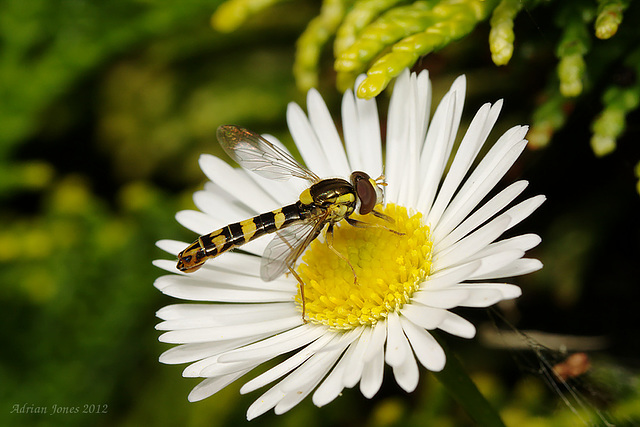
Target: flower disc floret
{"x":389,"y":267}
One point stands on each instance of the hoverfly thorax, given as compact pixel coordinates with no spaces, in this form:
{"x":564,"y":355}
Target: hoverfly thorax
{"x":369,"y":192}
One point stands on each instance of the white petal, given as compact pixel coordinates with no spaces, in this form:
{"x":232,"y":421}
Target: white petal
{"x":486,"y":294}
{"x":397,"y":345}
{"x":209,"y":317}
{"x":439,"y":140}
{"x":369,"y":134}
{"x":423,"y":102}
{"x":464,"y":156}
{"x":194,"y":369}
{"x":222,"y":211}
{"x":441,"y":298}
{"x":479,"y":216}
{"x":332,"y":386}
{"x":456,"y":325}
{"x":232,"y":262}
{"x":316,"y":366}
{"x":443,"y":118}
{"x":426,"y":348}
{"x":447,"y":277}
{"x":288,"y":365}
{"x":219,"y":369}
{"x":307,"y":141}
{"x":523,"y":243}
{"x":198,"y":222}
{"x":408,"y":179}
{"x":473,"y":243}
{"x":186,"y":353}
{"x":265,"y":402}
{"x":351,"y":131}
{"x":167,"y":265}
{"x":491,"y":263}
{"x":301,"y":382}
{"x":424,"y":316}
{"x":186,"y":311}
{"x":378,"y":337}
{"x":219,"y":279}
{"x":482,"y":298}
{"x":275,"y":345}
{"x":490,"y":170}
{"x":406,"y":373}
{"x":372,"y":374}
{"x":515,"y":268}
{"x":397,"y":136}
{"x":466,"y":296}
{"x":312,"y":379}
{"x":171,"y":246}
{"x":237,"y":183}
{"x":524,"y":209}
{"x":210,"y":386}
{"x":283,"y":192}
{"x":467,"y":151}
{"x":327,"y":134}
{"x":194,"y":291}
{"x":224,"y":197}
{"x":236,"y":262}
{"x":435,"y":153}
{"x":230,"y":332}
{"x":355,"y":366}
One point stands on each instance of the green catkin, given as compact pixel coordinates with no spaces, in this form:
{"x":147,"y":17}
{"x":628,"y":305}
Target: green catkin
{"x":618,"y":102}
{"x":392,"y":26}
{"x":361,"y":14}
{"x":452,"y":19}
{"x":609,"y":17}
{"x":501,"y":36}
{"x":312,"y":40}
{"x":547,"y":118}
{"x":574,"y":43}
{"x":233,"y":13}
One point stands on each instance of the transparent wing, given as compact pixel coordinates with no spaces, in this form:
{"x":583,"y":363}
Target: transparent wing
{"x":287,"y":246}
{"x":256,"y":154}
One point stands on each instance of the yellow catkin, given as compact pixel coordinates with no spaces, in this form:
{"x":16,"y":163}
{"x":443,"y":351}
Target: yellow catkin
{"x":389,"y":269}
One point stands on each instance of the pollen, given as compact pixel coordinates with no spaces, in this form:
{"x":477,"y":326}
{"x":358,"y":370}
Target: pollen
{"x":391,"y":259}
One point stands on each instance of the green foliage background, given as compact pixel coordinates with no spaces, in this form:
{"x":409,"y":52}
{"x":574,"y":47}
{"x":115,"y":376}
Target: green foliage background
{"x":104,"y":109}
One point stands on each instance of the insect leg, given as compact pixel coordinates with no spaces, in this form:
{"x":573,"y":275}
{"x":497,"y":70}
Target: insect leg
{"x":329,"y":236}
{"x":382,"y":216}
{"x":362,"y":224}
{"x":301,"y":284}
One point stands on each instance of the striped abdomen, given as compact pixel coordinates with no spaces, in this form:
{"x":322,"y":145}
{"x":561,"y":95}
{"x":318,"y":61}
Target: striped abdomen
{"x":234,"y":235}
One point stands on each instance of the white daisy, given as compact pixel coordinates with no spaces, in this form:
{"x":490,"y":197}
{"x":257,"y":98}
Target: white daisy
{"x":407,"y":283}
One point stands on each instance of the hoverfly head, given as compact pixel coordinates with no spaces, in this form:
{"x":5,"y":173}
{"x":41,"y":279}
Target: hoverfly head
{"x":369,"y":192}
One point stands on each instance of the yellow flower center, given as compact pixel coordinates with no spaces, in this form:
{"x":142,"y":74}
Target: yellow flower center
{"x":389,"y":268}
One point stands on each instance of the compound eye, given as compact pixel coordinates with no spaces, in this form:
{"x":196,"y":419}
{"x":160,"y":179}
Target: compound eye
{"x":366,"y":193}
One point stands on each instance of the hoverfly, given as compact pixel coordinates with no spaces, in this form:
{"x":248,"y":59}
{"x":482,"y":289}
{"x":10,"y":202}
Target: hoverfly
{"x":325,"y":203}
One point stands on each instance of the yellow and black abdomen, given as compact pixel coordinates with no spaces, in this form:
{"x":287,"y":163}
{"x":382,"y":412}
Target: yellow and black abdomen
{"x":234,"y":235}
{"x":239,"y":233}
